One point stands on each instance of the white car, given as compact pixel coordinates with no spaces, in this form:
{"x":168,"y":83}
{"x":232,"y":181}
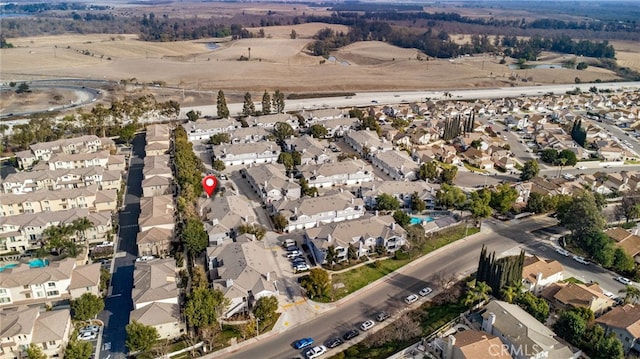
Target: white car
{"x":90,"y":329}
{"x":562,"y":251}
{"x":580,"y":259}
{"x":366,"y":325}
{"x":316,"y":351}
{"x":411,"y":299}
{"x":623,"y":280}
{"x":425,"y":291}
{"x":88,"y":336}
{"x":581,"y":167}
{"x":294,"y":254}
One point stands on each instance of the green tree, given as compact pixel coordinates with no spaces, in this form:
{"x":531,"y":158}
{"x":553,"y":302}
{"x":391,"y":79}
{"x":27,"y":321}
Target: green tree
{"x":599,"y":246}
{"x":509,"y":293}
{"x":570,"y":156}
{"x":280,"y":222}
{"x":219,"y":138}
{"x":218,"y":165}
{"x":293,"y":35}
{"x":503,"y":199}
{"x":23,"y":88}
{"x":78,"y":349}
{"x":447,"y":175}
{"x":297,"y":158}
{"x":450,"y":197}
{"x":35,"y":352}
{"x":266,"y":103}
{"x":549,"y":155}
{"x":582,"y":215}
{"x":476,"y":292}
{"x":537,"y":307}
{"x":277,"y":100}
{"x":318,"y":131}
{"x":204,"y":306}
{"x":479,"y":204}
{"x":622,"y":261}
{"x":87,"y":306}
{"x":352,"y":252}
{"x":193,"y":115}
{"x":608,"y":346}
{"x":286,"y":159}
{"x":571,"y":326}
{"x":317,"y":283}
{"x":331,"y":255}
{"x":248,"y":108}
{"x":428,"y":171}
{"x":127,"y":133}
{"x":265,"y":308}
{"x":282,"y":131}
{"x":194,"y":236}
{"x":417,"y":204}
{"x":529,"y":170}
{"x":401,"y":218}
{"x":221,"y":103}
{"x":387,"y":202}
{"x":631,"y":294}
{"x":140,"y":337}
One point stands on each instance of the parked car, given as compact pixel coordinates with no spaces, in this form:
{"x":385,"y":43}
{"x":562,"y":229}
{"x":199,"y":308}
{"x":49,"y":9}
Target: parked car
{"x":288,"y":243}
{"x":367,"y":324}
{"x":144,"y":258}
{"x":292,"y":249}
{"x":332,"y":343}
{"x":88,"y":336}
{"x":410,"y":299}
{"x":623,"y":280}
{"x":316,"y":351}
{"x":89,"y":329}
{"x":382,"y":316}
{"x":301,"y":268}
{"x":425,"y":291}
{"x":350,"y":334}
{"x":580,"y":259}
{"x":562,"y":251}
{"x":294,"y":254}
{"x":303,"y":343}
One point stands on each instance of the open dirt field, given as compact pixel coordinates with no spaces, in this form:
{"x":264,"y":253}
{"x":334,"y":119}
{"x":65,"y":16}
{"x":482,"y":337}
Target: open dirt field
{"x":276,"y":62}
{"x":627,"y":53}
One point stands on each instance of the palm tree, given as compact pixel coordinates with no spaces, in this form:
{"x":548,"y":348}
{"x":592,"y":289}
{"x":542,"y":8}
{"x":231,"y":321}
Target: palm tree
{"x":511,"y":292}
{"x":80,"y":227}
{"x":482,"y":290}
{"x":476,"y":292}
{"x":631,"y":294}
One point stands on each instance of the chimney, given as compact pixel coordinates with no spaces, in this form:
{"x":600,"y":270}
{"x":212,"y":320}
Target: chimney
{"x":267,"y":276}
{"x":539,"y":277}
{"x":295,"y":210}
{"x":329,"y":238}
{"x":376,"y":213}
{"x":393,"y":226}
{"x":353,"y":200}
{"x":265,"y":184}
{"x":487,"y":324}
{"x":229,"y":283}
{"x":448,"y":350}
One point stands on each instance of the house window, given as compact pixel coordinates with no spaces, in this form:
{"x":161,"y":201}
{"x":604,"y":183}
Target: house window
{"x":3,"y":291}
{"x":51,"y":284}
{"x":52,"y":342}
{"x":4,"y":300}
{"x":53,"y":293}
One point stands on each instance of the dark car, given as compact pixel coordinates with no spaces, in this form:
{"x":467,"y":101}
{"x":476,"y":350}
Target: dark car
{"x":350,"y":334}
{"x":382,"y":316}
{"x":303,"y":343}
{"x":332,"y":343}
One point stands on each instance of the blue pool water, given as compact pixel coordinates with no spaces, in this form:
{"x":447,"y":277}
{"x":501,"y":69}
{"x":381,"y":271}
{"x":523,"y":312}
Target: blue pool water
{"x":10,"y":265}
{"x":38,"y":263}
{"x":420,"y":220}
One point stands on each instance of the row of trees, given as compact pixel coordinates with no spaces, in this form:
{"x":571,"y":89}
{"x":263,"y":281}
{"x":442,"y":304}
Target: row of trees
{"x":578,"y":133}
{"x":270,"y":103}
{"x":481,"y":202}
{"x":577,"y":325}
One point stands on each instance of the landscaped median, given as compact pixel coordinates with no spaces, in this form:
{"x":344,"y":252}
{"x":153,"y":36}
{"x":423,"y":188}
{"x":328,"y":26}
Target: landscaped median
{"x":356,"y":278}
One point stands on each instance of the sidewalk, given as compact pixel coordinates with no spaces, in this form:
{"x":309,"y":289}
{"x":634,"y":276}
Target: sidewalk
{"x":304,"y":310}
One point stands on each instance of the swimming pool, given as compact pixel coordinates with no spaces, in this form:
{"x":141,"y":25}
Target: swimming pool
{"x":38,"y":263}
{"x":7,"y":266}
{"x":420,"y":220}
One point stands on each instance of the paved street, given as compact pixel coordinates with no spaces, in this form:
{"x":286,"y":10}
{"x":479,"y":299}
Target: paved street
{"x":322,"y":321}
{"x":119,"y":303}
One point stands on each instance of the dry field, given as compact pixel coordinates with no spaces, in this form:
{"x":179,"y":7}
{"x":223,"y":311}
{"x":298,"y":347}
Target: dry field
{"x":627,"y":53}
{"x":276,"y":62}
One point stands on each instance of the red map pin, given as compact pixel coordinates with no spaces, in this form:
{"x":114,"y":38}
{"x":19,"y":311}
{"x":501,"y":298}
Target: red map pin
{"x":209,"y":183}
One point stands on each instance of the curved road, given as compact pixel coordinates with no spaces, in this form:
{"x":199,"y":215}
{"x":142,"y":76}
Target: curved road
{"x":459,"y":259}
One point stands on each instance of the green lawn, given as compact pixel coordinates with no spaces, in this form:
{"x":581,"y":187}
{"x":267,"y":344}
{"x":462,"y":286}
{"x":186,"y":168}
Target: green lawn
{"x":573,"y":280}
{"x":473,"y":168}
{"x":357,"y":278}
{"x":438,"y":315}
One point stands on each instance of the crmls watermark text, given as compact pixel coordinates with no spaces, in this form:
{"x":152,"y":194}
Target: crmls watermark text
{"x":515,"y":350}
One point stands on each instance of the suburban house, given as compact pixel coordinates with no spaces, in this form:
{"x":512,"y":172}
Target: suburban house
{"x":538,"y":273}
{"x":158,"y":133}
{"x":402,"y":190}
{"x":311,"y":150}
{"x":203,"y":129}
{"x":225,"y":214}
{"x":323,"y":115}
{"x":625,"y":240}
{"x":311,"y":212}
{"x":345,"y":173}
{"x":397,"y":164}
{"x":270,"y":183}
{"x":156,"y":186}
{"x":247,"y":153}
{"x":55,"y":283}
{"x":363,"y":234}
{"x":48,"y":201}
{"x":155,"y":242}
{"x":156,"y":149}
{"x":269,"y":121}
{"x":65,"y":161}
{"x":624,"y":321}
{"x":248,"y":135}
{"x":338,"y":127}
{"x":21,"y":232}
{"x":366,"y":143}
{"x":22,"y":326}
{"x":525,"y":336}
{"x":574,"y":295}
{"x":30,"y":181}
{"x":243,"y":271}
{"x":157,"y":166}
{"x":156,"y":212}
{"x":43,"y":151}
{"x":155,"y":281}
{"x":164,"y":317}
{"x":473,"y":344}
